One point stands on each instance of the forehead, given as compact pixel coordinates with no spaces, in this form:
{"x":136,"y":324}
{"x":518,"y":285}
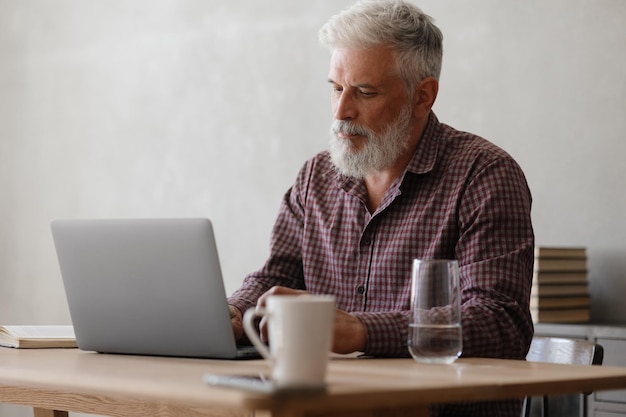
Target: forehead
{"x":357,"y":66}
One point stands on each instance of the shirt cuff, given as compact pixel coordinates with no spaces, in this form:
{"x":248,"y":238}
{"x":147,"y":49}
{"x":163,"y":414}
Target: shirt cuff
{"x":242,"y":304}
{"x":386,"y":333}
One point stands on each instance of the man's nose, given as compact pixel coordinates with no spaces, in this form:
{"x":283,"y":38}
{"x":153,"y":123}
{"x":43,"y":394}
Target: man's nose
{"x":345,"y":108}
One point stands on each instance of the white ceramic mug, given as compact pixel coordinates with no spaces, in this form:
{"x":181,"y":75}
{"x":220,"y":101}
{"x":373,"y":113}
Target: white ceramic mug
{"x":300,"y":331}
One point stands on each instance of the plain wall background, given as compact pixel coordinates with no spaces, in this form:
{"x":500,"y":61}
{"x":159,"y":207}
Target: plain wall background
{"x":160,"y":108}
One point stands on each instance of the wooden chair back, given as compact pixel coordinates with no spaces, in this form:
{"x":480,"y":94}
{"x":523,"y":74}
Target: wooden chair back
{"x":565,"y":351}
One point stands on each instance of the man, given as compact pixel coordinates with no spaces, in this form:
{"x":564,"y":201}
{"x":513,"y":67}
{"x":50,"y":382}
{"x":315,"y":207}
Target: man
{"x":396,"y":184}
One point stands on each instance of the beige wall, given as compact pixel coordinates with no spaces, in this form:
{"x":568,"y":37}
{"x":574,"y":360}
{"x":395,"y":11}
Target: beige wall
{"x":116,"y":108}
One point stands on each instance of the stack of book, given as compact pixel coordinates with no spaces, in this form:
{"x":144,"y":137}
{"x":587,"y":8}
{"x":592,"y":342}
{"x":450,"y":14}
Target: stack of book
{"x":560,"y":291}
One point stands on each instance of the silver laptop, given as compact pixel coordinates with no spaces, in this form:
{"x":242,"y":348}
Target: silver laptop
{"x":146,"y":287}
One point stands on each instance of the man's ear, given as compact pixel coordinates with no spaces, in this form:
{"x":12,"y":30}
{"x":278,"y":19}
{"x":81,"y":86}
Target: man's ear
{"x":425,"y":95}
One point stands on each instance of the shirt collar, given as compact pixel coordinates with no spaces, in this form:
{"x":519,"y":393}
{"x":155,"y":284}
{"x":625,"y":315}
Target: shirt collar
{"x":425,"y":155}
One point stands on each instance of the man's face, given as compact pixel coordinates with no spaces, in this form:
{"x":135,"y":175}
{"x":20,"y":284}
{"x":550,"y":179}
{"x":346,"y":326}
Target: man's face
{"x":372,"y":111}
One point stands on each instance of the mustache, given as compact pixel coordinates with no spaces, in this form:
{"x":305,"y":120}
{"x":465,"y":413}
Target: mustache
{"x":347,"y":127}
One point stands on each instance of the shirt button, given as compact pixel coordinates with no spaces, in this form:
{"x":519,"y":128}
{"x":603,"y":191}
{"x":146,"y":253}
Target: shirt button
{"x":360,"y":289}
{"x":367,"y":241}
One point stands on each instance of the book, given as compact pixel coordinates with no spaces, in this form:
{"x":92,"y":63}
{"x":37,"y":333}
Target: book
{"x":547,"y":303}
{"x":25,"y":337}
{"x":559,"y":264}
{"x":560,"y":252}
{"x":540,"y":290}
{"x":575,"y":315}
{"x":559,"y":277}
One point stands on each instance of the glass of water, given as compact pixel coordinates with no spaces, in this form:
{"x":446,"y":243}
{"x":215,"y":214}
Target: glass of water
{"x":435,"y":334}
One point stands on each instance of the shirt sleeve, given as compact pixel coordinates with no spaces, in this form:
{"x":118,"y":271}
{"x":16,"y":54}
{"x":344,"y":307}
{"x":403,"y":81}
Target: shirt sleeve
{"x":496,"y":252}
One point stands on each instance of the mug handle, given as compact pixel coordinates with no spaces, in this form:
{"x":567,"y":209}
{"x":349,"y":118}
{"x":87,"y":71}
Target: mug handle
{"x":249,"y":328}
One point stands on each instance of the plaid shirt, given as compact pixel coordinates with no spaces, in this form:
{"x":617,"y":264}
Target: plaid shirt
{"x":461,"y":197}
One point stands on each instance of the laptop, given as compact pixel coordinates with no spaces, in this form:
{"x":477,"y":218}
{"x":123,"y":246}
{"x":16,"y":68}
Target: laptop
{"x":146,"y":287}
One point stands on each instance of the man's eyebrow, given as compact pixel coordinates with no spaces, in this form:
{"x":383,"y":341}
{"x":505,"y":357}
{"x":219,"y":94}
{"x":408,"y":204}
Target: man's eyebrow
{"x":364,"y":85}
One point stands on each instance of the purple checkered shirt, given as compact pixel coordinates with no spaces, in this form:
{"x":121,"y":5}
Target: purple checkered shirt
{"x":462,"y":198}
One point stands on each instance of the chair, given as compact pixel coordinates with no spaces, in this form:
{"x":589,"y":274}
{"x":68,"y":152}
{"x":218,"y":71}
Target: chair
{"x":561,"y":350}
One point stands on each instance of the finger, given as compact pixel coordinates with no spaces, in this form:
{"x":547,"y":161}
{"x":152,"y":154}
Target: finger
{"x":235,"y":313}
{"x":263,"y":329}
{"x":236,"y":322}
{"x":277,"y":290}
{"x":237,"y":331}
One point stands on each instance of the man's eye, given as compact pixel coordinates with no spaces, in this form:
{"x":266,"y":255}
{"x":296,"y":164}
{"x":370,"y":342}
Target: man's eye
{"x":367,"y":93}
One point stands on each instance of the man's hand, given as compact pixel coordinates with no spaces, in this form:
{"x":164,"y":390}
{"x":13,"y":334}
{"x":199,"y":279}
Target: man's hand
{"x":236,"y":321}
{"x":349,"y":335}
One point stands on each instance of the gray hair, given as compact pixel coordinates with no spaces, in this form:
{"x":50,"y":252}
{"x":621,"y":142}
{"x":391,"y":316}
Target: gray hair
{"x":413,"y":36}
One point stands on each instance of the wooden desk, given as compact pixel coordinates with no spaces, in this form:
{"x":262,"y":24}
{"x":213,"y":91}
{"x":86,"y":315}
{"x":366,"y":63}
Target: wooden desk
{"x":118,"y":385}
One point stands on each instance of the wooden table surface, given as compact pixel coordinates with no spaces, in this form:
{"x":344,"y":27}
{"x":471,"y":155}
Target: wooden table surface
{"x":120,"y":385}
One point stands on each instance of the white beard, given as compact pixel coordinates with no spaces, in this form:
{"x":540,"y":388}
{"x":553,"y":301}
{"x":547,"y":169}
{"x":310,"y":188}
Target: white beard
{"x":378,"y":152}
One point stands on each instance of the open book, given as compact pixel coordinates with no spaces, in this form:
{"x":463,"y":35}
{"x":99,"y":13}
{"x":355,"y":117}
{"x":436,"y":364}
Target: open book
{"x":37,"y":336}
